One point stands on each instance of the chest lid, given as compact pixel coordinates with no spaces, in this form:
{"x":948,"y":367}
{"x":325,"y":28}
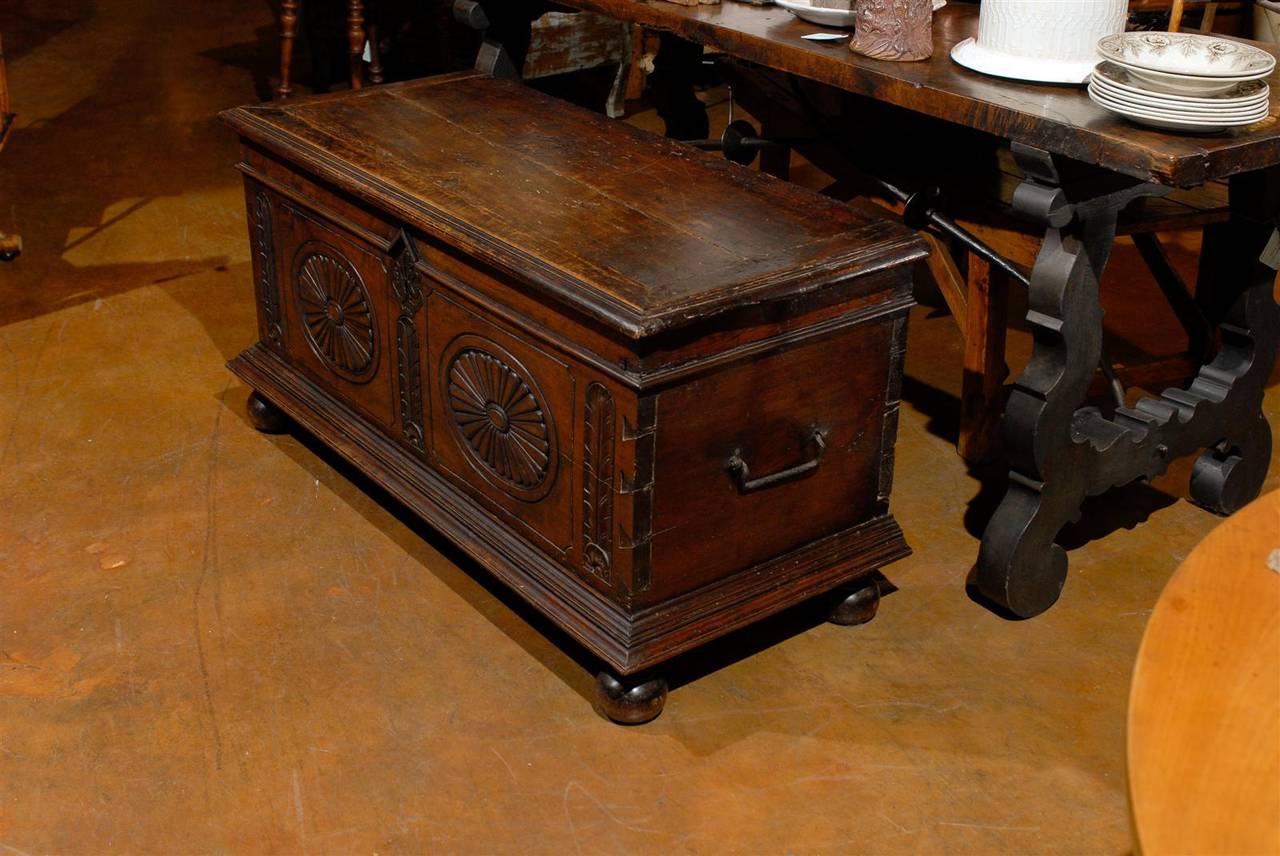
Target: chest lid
{"x":640,"y":233}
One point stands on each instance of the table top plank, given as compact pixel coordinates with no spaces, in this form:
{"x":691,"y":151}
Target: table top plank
{"x":1060,"y":119}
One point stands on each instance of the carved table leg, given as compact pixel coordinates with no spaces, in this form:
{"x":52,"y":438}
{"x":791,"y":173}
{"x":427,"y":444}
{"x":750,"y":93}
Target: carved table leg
{"x":288,"y":32}
{"x":630,"y":700}
{"x":1060,"y":451}
{"x":675,"y":71}
{"x":355,"y":41}
{"x":265,"y":416}
{"x":858,"y":603}
{"x":1019,"y":565}
{"x":1236,"y":290}
{"x":10,"y":247}
{"x":982,"y":387}
{"x":507,"y":29}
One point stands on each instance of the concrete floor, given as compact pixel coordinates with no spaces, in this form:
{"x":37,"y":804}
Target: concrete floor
{"x":213,"y":640}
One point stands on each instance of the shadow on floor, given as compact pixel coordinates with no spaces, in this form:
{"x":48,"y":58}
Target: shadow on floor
{"x":24,"y":33}
{"x":541,"y":638}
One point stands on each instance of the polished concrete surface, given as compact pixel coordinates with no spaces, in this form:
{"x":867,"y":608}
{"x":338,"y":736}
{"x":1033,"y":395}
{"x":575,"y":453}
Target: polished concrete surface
{"x":217,"y":641}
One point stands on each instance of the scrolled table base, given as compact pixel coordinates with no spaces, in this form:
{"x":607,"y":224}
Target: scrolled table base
{"x":1062,"y":451}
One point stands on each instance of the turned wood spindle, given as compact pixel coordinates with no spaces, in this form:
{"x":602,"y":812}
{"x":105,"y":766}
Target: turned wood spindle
{"x":288,"y":32}
{"x":355,"y":38}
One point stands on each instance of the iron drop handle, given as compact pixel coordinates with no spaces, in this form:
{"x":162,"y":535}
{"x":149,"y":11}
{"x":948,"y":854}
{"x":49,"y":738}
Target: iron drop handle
{"x":741,"y":473}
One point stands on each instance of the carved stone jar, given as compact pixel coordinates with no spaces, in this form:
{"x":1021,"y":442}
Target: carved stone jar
{"x":653,"y":392}
{"x":898,"y":30}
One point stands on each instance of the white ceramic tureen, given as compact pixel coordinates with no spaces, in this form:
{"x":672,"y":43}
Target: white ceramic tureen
{"x":1049,"y":41}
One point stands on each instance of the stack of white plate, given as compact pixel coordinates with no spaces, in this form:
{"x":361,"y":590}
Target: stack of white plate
{"x":1183,"y":81}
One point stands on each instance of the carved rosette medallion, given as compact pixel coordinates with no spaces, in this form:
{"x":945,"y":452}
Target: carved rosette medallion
{"x":501,"y":420}
{"x":337,"y":314}
{"x":264,"y":251}
{"x":598,"y":483}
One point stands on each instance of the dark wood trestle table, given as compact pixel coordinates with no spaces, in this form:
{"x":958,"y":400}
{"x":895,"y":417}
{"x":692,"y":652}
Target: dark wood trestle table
{"x":1082,"y":166}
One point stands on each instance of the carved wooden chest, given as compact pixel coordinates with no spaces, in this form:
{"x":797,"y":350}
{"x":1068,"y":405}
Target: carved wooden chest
{"x":654,"y":393}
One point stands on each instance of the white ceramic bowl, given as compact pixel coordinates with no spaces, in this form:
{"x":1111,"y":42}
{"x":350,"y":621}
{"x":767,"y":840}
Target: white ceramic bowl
{"x":1119,"y":77}
{"x":837,"y":18}
{"x":1186,"y":84}
{"x":802,"y":9}
{"x":1187,"y":54}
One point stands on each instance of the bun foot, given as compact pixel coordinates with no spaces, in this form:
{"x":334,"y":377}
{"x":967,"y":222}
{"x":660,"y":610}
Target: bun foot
{"x":632,"y":702}
{"x":265,"y":416}
{"x":1229,"y":476}
{"x":857,"y":605}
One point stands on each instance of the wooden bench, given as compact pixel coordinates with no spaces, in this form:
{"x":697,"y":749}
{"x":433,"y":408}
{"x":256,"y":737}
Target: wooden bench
{"x":653,"y":392}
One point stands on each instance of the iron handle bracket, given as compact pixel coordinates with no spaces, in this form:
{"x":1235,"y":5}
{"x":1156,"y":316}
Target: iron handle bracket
{"x":740,"y":472}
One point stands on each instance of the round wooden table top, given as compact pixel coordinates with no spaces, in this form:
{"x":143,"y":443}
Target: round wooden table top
{"x":1204,"y":711}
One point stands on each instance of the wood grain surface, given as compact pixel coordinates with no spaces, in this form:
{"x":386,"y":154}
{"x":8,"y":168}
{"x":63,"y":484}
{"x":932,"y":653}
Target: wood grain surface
{"x":593,"y":211}
{"x":1204,"y":715}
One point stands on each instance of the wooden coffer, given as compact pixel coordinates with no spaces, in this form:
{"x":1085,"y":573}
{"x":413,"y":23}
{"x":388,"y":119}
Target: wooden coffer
{"x":654,"y":393}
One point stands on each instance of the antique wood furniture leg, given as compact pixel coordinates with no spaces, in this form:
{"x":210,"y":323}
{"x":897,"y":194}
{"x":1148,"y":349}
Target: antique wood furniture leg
{"x":10,"y":245}
{"x":632,"y":700}
{"x":265,"y":416}
{"x":506,"y":32}
{"x":288,"y":34}
{"x":1061,"y":451}
{"x":616,"y":105}
{"x":857,"y":603}
{"x":774,"y":160}
{"x":355,"y":41}
{"x":375,"y":56}
{"x":675,"y":68}
{"x":1237,"y":290}
{"x":985,"y":369}
{"x":1184,"y":305}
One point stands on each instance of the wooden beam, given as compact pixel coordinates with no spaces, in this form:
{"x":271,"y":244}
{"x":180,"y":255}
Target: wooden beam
{"x":985,"y":369}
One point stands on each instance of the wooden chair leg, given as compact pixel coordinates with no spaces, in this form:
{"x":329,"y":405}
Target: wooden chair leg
{"x":616,"y":106}
{"x":375,"y":56}
{"x":10,"y":247}
{"x":642,"y":43}
{"x":1210,"y":16}
{"x":985,"y":370}
{"x":355,"y":41}
{"x":775,"y":160}
{"x":288,"y":32}
{"x":947,"y":276}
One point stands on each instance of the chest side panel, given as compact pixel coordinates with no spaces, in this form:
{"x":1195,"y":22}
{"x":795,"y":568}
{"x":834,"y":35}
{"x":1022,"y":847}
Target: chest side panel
{"x":813,"y":415}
